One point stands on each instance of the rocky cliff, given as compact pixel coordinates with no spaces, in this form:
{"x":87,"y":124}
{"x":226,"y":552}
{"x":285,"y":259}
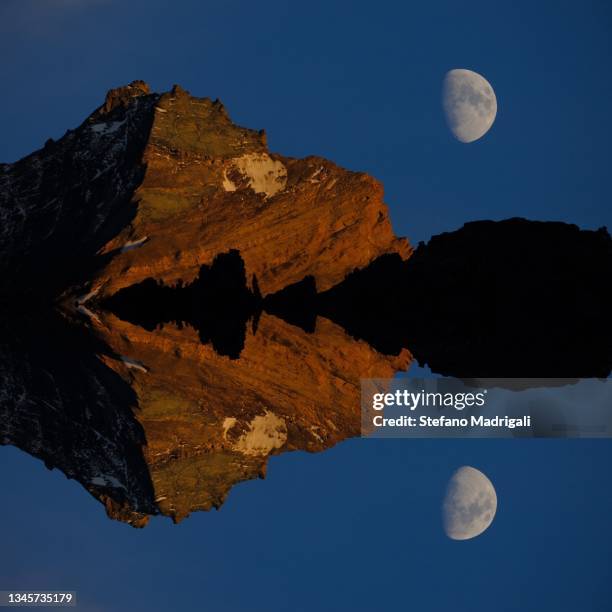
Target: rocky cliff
{"x":156,"y":185}
{"x":232,"y":300}
{"x":211,"y":422}
{"x":155,"y":422}
{"x":151,"y":190}
{"x":506,"y":299}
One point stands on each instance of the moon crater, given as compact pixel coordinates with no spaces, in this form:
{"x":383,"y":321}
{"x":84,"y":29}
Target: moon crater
{"x":469,"y":104}
{"x":469,"y":505}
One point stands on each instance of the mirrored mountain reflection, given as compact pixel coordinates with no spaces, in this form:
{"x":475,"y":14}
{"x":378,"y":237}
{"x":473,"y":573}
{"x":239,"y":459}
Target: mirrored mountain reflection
{"x":218,"y":303}
{"x":155,"y":422}
{"x":61,"y":403}
{"x":211,"y":421}
{"x":514,"y":298}
{"x":154,"y":191}
{"x":165,"y":397}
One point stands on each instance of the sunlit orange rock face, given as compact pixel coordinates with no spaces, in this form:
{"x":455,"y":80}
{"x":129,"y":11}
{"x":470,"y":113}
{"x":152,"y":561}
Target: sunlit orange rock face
{"x":209,"y":186}
{"x":211,"y":422}
{"x":157,"y":186}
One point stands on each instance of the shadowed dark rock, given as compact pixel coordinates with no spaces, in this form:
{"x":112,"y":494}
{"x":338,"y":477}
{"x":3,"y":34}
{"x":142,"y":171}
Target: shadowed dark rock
{"x":166,"y":229}
{"x":61,"y":403}
{"x":513,"y":298}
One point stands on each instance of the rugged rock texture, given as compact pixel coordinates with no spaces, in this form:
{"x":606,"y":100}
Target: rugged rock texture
{"x":506,"y":299}
{"x":158,"y":423}
{"x":182,"y":223}
{"x":61,"y":404}
{"x":156,"y":185}
{"x":59,"y":206}
{"x":211,"y":422}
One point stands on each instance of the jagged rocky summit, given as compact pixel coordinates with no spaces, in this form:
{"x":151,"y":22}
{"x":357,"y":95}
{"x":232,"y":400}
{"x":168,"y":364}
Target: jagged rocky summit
{"x":156,"y":185}
{"x":234,"y":298}
{"x":157,"y":423}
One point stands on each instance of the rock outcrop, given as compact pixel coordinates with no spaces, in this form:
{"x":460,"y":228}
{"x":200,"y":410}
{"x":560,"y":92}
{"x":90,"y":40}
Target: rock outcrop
{"x":494,"y":299}
{"x":156,"y":185}
{"x":60,"y":403}
{"x":211,"y":422}
{"x":233,"y":299}
{"x":155,"y":422}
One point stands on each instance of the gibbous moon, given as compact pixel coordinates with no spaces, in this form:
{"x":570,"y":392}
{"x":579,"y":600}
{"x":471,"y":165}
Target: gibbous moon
{"x":470,"y":504}
{"x":469,"y":104}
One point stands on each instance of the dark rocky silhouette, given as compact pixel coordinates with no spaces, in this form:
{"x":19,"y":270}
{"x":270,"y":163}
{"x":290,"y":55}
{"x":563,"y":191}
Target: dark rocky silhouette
{"x":62,"y":204}
{"x":179,"y":304}
{"x":217,"y":303}
{"x":514,"y":298}
{"x":156,"y":185}
{"x":60,"y":402}
{"x":505,"y":299}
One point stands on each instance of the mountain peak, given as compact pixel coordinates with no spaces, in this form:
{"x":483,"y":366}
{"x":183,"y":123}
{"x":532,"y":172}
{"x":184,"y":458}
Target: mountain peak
{"x":158,"y":184}
{"x":177,"y":90}
{"x":121,"y":96}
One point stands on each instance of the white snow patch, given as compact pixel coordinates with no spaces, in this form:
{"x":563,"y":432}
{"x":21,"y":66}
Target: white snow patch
{"x":133,"y":244}
{"x":313,"y":177}
{"x":228,"y":423}
{"x":132,"y":363}
{"x":314,"y":434}
{"x":227,"y":184}
{"x":265,"y":175}
{"x":106,"y":128}
{"x":104,"y":480}
{"x":85,"y":298}
{"x":266,"y":432}
{"x":88,"y":313}
{"x":102,"y":171}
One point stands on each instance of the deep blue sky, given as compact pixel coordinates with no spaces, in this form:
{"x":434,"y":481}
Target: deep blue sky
{"x":357,"y":528}
{"x":358,"y":82}
{"x":354,"y":529}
